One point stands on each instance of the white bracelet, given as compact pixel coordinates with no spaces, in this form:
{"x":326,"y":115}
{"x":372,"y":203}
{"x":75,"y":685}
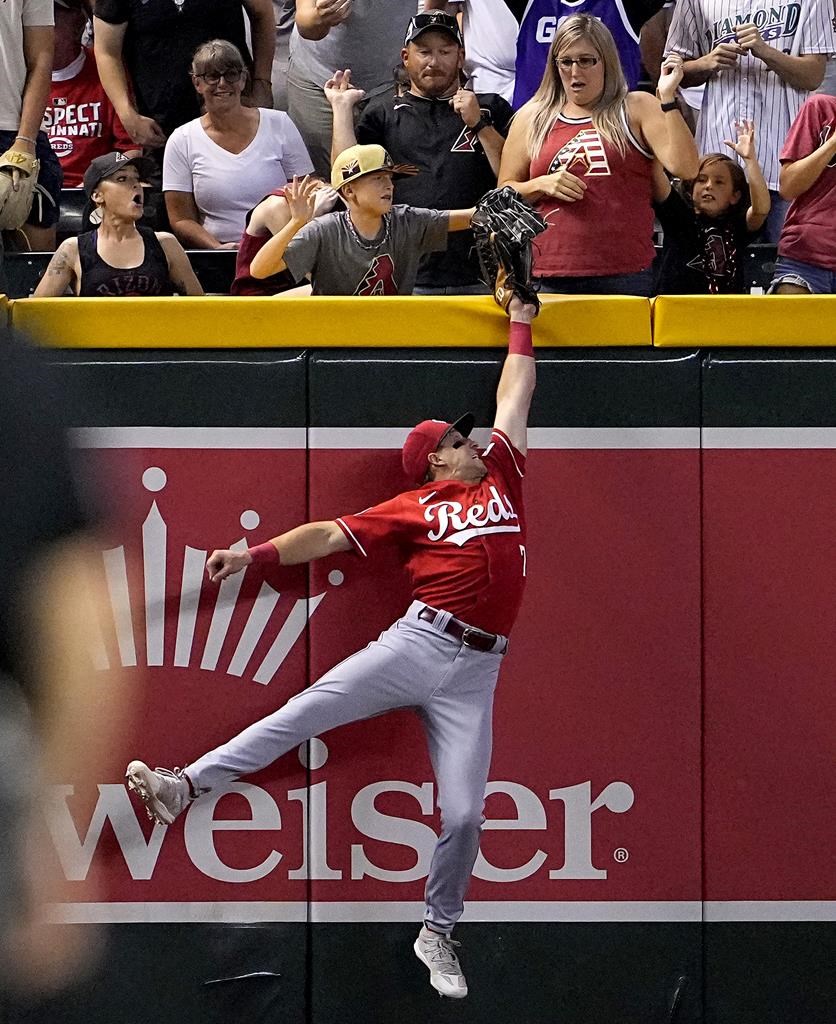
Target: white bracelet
{"x":25,"y":138}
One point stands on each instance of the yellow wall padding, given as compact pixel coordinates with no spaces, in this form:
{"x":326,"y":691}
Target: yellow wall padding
{"x":4,"y":311}
{"x":403,"y":322}
{"x":708,"y":321}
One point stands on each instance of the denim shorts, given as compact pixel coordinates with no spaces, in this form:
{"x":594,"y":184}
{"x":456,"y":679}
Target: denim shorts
{"x":46,"y":204}
{"x":817,"y":280}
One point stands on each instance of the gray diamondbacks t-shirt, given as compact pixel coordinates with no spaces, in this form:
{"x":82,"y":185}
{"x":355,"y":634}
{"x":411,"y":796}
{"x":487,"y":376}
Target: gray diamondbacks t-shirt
{"x":340,"y":262}
{"x":369,"y":42}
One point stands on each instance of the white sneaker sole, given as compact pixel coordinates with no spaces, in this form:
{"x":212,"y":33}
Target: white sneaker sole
{"x":139,"y":778}
{"x":437,"y":980}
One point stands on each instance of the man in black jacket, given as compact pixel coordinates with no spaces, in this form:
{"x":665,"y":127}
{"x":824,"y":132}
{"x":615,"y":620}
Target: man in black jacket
{"x":453,"y":135}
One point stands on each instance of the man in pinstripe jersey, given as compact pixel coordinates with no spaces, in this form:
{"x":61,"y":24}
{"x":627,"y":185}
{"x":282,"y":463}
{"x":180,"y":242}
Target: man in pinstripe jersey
{"x":759,"y":61}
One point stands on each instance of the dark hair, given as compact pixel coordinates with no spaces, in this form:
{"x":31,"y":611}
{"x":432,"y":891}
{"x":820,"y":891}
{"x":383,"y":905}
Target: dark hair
{"x":738,"y":177}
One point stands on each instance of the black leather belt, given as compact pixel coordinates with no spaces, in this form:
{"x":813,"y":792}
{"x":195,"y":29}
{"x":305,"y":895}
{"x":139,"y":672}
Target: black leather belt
{"x":466,"y":635}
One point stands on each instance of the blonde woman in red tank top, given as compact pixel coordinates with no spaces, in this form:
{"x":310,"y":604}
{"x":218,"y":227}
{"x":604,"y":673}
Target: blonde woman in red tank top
{"x":582,"y":151}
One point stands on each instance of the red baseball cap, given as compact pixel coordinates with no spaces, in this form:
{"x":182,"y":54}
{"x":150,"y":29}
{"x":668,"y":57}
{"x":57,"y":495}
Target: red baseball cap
{"x":426,"y":438}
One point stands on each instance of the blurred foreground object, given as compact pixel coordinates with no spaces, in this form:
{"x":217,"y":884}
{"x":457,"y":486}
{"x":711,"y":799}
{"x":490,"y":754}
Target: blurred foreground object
{"x":55,"y":724}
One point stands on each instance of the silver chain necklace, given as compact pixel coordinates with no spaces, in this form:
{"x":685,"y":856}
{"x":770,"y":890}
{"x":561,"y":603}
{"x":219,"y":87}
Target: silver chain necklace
{"x":366,"y":243}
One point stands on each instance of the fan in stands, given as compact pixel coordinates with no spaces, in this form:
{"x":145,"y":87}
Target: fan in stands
{"x":117,"y":257}
{"x":79,"y":119}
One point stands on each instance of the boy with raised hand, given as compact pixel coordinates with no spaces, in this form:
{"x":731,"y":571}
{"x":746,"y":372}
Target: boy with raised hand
{"x":371,"y":248}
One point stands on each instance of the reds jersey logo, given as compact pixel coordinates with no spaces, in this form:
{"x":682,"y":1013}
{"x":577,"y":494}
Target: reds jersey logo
{"x":586,"y":149}
{"x":455,"y":525}
{"x":380,"y":278}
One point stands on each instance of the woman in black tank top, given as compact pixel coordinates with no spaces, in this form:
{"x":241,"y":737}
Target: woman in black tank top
{"x":118,"y":258}
{"x":151,"y":277}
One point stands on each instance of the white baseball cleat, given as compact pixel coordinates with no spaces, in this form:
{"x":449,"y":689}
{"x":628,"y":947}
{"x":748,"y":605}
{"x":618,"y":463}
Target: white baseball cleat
{"x":436,"y":952}
{"x":164,"y":792}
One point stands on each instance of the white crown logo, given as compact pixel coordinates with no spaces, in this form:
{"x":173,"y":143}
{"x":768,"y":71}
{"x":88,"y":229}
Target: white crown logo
{"x":155,"y":560}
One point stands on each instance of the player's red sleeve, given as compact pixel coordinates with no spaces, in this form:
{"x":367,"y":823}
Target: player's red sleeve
{"x":501,"y":455}
{"x":379,"y":526}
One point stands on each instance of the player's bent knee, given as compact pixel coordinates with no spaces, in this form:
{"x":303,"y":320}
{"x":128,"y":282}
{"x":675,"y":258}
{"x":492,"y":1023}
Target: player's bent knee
{"x":462,"y":820}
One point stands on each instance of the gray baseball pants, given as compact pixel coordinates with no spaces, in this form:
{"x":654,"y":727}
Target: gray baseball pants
{"x":413,"y":664}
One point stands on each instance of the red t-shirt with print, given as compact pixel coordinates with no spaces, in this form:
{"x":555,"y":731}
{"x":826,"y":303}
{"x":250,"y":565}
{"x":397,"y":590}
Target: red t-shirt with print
{"x":463,"y":544}
{"x":80,"y":120}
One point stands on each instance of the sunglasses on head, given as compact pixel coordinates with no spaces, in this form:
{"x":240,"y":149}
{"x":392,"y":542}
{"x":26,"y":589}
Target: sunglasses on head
{"x":436,"y":20}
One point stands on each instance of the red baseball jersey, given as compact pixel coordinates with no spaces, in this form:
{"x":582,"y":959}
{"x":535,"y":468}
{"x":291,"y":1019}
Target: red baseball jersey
{"x":463,"y":544}
{"x":80,"y":120}
{"x":808,"y":233}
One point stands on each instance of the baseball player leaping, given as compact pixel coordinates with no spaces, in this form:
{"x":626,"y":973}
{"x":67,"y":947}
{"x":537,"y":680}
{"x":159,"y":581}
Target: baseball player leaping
{"x":462,"y":531}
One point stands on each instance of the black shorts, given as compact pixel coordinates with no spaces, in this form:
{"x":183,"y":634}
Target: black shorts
{"x":46,"y":204}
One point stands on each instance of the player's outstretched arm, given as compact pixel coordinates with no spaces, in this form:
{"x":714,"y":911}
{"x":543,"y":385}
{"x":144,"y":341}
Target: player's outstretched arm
{"x":303,"y":544}
{"x":519,"y":375}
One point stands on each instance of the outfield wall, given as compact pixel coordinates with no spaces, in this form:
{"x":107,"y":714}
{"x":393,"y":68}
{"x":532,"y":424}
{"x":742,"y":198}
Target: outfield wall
{"x":659,"y":818}
{"x":688,"y":321}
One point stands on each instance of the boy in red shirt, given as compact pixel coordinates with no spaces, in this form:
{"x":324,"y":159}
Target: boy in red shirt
{"x":79,"y":119}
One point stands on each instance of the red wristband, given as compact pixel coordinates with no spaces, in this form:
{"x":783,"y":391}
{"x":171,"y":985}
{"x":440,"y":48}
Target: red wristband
{"x":264,"y":554}
{"x":519,"y":340}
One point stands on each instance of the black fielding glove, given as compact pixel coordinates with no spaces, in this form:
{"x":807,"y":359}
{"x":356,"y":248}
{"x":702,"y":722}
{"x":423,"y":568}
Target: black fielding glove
{"x":504,"y":225}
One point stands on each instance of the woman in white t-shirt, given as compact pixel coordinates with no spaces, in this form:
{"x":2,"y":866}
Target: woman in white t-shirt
{"x":217,"y":167}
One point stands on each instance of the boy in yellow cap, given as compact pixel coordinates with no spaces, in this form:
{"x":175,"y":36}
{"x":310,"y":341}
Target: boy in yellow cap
{"x":371,"y":248}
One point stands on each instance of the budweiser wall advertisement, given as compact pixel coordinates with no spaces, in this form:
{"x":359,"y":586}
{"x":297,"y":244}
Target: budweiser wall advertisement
{"x":584,"y":780}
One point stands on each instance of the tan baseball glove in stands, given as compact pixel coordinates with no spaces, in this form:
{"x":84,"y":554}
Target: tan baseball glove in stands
{"x":16,"y":189}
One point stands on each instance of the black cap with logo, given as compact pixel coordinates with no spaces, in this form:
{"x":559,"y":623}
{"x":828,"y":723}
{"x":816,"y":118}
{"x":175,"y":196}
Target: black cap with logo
{"x":436,"y":21}
{"x":103,"y":166}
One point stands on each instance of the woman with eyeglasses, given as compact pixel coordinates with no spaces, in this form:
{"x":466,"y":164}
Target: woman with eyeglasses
{"x":217,"y":167}
{"x":582,"y":152}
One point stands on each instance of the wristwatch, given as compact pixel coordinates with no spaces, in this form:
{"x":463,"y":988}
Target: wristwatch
{"x":673,"y":105}
{"x":485,"y":121}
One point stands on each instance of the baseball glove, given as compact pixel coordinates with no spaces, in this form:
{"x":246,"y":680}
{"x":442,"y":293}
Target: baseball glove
{"x":503,"y":226}
{"x":15,"y":204}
